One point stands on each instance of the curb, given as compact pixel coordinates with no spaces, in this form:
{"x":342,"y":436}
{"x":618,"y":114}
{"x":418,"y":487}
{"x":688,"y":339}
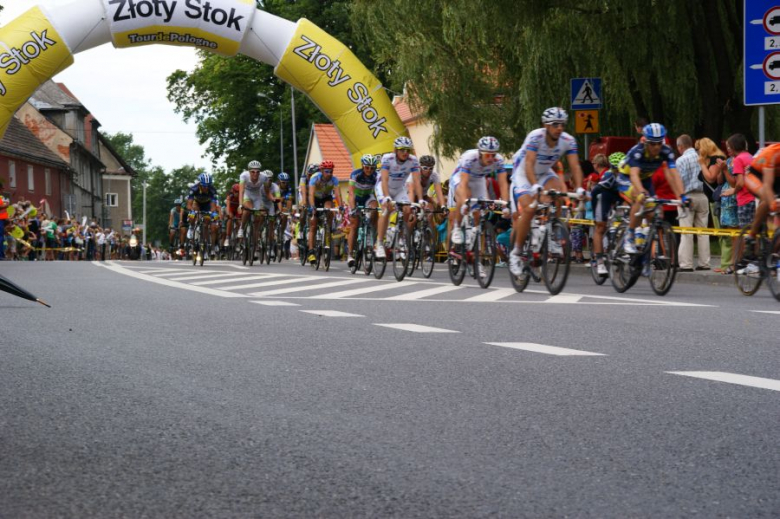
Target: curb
{"x":700,"y":278}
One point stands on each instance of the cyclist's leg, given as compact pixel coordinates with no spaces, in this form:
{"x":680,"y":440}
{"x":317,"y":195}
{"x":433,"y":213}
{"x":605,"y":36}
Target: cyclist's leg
{"x":765,"y":196}
{"x":462,"y":193}
{"x":601,"y":206}
{"x":318,"y":203}
{"x":384,"y":217}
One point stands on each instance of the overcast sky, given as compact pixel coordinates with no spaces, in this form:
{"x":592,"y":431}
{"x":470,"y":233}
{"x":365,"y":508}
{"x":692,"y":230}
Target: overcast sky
{"x":125,"y":89}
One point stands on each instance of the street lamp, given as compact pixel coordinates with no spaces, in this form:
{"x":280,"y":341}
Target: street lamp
{"x":144,"y":213}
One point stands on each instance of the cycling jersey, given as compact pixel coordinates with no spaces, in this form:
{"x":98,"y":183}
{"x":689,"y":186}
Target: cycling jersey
{"x":246,"y":180}
{"x":201,"y":197}
{"x":639,"y":157}
{"x":398,"y":171}
{"x":768,"y":157}
{"x":232,"y":202}
{"x":546,"y":155}
{"x":323,"y":188}
{"x":176,"y":212}
{"x":363,"y":184}
{"x":469,"y":164}
{"x":427,"y":183}
{"x":275,"y":191}
{"x":286,"y":193}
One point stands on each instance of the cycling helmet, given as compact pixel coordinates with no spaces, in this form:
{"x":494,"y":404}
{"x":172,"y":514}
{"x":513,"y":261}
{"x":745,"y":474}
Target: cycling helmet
{"x":402,"y":143}
{"x":205,"y":179}
{"x":283,"y":177}
{"x":177,"y":201}
{"x":616,"y":158}
{"x":368,"y":160}
{"x":554,"y":115}
{"x":269,"y":175}
{"x":378,"y":158}
{"x":313,"y":168}
{"x":255,"y":164}
{"x":427,"y":161}
{"x":326,"y":164}
{"x":235,"y":188}
{"x":488,"y":144}
{"x":654,"y":132}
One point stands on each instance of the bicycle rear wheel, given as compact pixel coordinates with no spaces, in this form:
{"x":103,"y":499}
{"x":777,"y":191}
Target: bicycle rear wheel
{"x":327,"y":249}
{"x":427,"y":253}
{"x":379,"y":264}
{"x":456,"y":263}
{"x":662,"y":258}
{"x":621,"y":271}
{"x":251,"y":244}
{"x":519,"y":283}
{"x":773,"y":266}
{"x":400,"y":249}
{"x":414,"y":250}
{"x":747,"y":272}
{"x":485,"y":255}
{"x":368,"y":250}
{"x":555,"y":264}
{"x":303,"y":242}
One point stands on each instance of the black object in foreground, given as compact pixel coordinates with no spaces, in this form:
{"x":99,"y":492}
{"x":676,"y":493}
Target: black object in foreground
{"x":12,"y":288}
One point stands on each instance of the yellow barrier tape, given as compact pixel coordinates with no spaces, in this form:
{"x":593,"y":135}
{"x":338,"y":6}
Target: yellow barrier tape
{"x":679,"y":230}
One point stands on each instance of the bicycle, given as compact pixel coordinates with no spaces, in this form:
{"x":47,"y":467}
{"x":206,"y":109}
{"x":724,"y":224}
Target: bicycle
{"x":616,"y":229}
{"x":364,"y":244}
{"x":750,"y":270}
{"x":547,"y":248}
{"x":198,"y":242}
{"x":322,"y":239}
{"x":280,"y":251}
{"x":478,"y":250}
{"x":303,"y":236}
{"x":656,"y":258}
{"x":423,"y":245}
{"x":250,"y":242}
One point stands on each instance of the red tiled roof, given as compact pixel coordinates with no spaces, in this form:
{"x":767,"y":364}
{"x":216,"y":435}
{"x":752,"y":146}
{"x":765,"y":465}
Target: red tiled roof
{"x":19,"y":141}
{"x":404,"y":110}
{"x":333,"y":148}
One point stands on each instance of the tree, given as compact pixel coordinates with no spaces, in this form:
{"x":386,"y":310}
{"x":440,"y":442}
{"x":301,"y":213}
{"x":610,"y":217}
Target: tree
{"x":492,"y":67}
{"x":239,"y":105}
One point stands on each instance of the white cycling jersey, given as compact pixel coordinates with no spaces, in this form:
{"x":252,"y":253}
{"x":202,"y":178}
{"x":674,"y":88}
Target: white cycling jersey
{"x":245,"y":179}
{"x":546,"y":156}
{"x":398,"y":171}
{"x":432,"y":179}
{"x":469,"y":164}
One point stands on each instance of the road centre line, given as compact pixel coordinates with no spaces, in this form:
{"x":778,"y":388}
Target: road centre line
{"x":331,"y":313}
{"x":732,"y":378}
{"x":242,"y":277}
{"x":304,"y":288}
{"x":412,"y":296}
{"x":175,"y":284}
{"x":272,"y":283}
{"x":365,"y":290}
{"x":417,"y":328}
{"x":541,"y":348}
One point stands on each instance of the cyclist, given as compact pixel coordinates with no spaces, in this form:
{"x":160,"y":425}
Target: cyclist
{"x":232,"y":203}
{"x":303,"y":185}
{"x":765,"y":185}
{"x":470,"y":178}
{"x":286,"y":196}
{"x":322,"y":192}
{"x":604,"y":196}
{"x":533,"y":170}
{"x":202,"y":198}
{"x":396,"y":168}
{"x":361,"y":194}
{"x":635,"y":176}
{"x":254,"y":193}
{"x":430,"y":182}
{"x":175,"y":221}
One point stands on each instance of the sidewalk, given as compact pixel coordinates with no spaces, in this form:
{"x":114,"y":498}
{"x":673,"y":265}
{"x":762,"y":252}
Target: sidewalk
{"x":705,"y":277}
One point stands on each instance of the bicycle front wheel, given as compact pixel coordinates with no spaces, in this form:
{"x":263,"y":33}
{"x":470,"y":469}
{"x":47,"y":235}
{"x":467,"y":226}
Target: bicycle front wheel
{"x":400,"y":249}
{"x":456,"y":263}
{"x":773,"y":266}
{"x":427,"y":253}
{"x":485,"y":255}
{"x":368,"y":250}
{"x":621,"y":271}
{"x":327,"y":249}
{"x":556,"y":257}
{"x":747,"y":272}
{"x":662,"y":259}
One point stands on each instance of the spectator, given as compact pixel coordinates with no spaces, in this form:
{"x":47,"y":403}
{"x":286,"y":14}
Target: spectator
{"x":710,"y":158}
{"x":4,"y":203}
{"x":698,"y":213}
{"x":735,"y":176}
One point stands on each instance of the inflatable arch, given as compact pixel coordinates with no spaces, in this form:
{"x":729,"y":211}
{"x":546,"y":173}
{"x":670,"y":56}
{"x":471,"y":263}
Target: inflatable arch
{"x":41,"y":43}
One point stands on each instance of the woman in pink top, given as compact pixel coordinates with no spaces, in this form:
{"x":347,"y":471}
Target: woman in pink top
{"x":746,"y":202}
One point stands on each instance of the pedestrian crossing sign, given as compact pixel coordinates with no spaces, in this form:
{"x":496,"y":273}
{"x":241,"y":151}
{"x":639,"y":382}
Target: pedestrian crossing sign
{"x":586,"y":121}
{"x":586,"y":93}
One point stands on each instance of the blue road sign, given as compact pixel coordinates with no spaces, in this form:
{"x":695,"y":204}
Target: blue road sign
{"x":762,"y":52}
{"x":586,"y":93}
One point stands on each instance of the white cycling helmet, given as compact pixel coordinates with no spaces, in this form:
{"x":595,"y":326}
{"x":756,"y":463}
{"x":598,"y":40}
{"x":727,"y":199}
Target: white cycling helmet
{"x":488,"y":144}
{"x":255,"y":164}
{"x":554,"y":115}
{"x":403,"y":143}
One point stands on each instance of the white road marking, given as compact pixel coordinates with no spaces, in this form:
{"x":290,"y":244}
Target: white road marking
{"x":541,"y":348}
{"x":564,"y":299}
{"x":305,"y":288}
{"x":236,"y":280}
{"x":412,"y":296}
{"x":364,"y":290}
{"x":241,"y":267}
{"x":273,"y":283}
{"x":188,"y":277}
{"x":331,"y":313}
{"x":175,"y":284}
{"x":179,"y":272}
{"x":625,"y":300}
{"x":732,"y":378}
{"x":765,"y":312}
{"x":491,"y":295}
{"x":274,"y":303}
{"x":418,"y":328}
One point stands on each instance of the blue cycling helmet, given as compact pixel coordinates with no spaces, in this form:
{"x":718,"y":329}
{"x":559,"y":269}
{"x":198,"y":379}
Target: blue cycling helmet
{"x":488,"y":144}
{"x":654,"y":132}
{"x":403,"y":143}
{"x":284,"y":177}
{"x":369,"y":160}
{"x":205,"y":180}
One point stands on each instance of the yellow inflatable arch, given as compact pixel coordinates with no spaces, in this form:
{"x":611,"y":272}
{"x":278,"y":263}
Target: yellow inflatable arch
{"x":42,"y":42}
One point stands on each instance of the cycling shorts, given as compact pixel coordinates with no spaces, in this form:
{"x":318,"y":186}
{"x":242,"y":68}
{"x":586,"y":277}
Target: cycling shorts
{"x":364,"y":200}
{"x":478,"y":188}
{"x":603,"y":200}
{"x":400,"y":194}
{"x":319,"y":203}
{"x":523,"y":187}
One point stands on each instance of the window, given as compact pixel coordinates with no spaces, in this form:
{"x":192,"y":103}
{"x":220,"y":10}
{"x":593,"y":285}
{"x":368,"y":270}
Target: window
{"x":47,"y":180}
{"x":11,"y":173}
{"x":112,"y":200}
{"x":30,"y":178}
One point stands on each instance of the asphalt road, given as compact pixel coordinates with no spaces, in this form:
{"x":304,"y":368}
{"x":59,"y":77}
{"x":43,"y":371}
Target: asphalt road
{"x":165,"y":390}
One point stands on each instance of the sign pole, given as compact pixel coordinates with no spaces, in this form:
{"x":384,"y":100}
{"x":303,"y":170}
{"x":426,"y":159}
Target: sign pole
{"x":761,"y":127}
{"x":586,"y":147}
